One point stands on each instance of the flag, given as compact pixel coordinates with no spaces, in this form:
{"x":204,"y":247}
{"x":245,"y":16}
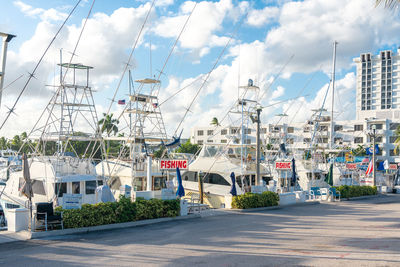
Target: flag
{"x":386,"y":164}
{"x":155,"y":105}
{"x":370,"y":150}
{"x":121,"y":102}
{"x":329,"y":176}
{"x":381,"y":166}
{"x":370,"y":168}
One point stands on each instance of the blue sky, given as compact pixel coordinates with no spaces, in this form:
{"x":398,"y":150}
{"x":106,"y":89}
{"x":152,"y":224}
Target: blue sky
{"x":269,"y":33}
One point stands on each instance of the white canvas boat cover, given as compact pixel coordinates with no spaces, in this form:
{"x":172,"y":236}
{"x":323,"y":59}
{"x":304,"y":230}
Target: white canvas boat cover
{"x":104,"y":194}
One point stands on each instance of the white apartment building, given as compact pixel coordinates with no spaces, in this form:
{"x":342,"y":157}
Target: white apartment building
{"x":377,"y":103}
{"x":378,"y":85}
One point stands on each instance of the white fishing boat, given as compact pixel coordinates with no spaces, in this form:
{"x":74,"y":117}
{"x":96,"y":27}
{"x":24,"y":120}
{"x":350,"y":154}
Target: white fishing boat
{"x":56,"y":170}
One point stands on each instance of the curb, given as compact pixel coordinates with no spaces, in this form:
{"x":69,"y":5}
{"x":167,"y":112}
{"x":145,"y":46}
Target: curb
{"x":277,"y":207}
{"x":362,"y":197}
{"x":85,"y":230}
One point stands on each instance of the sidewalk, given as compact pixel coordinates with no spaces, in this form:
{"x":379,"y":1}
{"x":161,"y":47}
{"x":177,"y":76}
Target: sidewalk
{"x":7,"y":237}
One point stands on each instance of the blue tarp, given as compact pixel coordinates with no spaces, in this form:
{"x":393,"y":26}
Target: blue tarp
{"x":233,"y":186}
{"x":180,"y":192}
{"x":294,"y":172}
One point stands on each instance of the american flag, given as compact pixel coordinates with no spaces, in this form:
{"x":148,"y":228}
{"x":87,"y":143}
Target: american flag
{"x":370,"y":168}
{"x":155,"y":105}
{"x":121,"y":102}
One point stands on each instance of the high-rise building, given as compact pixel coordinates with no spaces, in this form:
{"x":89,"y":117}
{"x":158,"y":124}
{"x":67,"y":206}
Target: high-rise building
{"x":378,"y":90}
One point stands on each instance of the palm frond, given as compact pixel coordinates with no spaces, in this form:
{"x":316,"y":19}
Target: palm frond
{"x":388,"y":3}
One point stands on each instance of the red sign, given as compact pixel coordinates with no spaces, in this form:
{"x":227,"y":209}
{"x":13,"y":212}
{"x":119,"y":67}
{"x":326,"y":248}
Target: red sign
{"x":169,"y":164}
{"x":351,"y":166}
{"x":283,"y":165}
{"x":393,"y":167}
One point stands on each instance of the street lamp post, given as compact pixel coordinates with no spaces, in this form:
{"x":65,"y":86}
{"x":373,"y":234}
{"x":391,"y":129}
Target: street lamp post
{"x":258,"y":150}
{"x":373,"y":154}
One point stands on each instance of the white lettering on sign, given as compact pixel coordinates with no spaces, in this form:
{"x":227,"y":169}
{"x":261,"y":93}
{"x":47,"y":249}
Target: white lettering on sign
{"x":283,"y":165}
{"x":169,"y":164}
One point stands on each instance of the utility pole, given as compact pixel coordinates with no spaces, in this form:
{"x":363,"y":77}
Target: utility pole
{"x":6,"y":39}
{"x":258,"y":178}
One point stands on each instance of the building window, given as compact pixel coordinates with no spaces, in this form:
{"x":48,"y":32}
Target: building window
{"x":378,"y":139}
{"x":392,"y":152}
{"x":290,"y":129}
{"x":358,"y":128}
{"x":210,"y":132}
{"x":263,"y":130}
{"x":224,"y":132}
{"x":210,"y":141}
{"x":392,"y":139}
{"x":358,"y":140}
{"x":223,"y":141}
{"x":248,"y":141}
{"x":378,"y":126}
{"x":323,"y":128}
{"x":199,"y":142}
{"x":338,"y":139}
{"x":200,"y":132}
{"x":290,"y":141}
{"x":338,"y":127}
{"x":307,"y":140}
{"x":394,"y":126}
{"x":234,"y":130}
{"x":247,"y":131}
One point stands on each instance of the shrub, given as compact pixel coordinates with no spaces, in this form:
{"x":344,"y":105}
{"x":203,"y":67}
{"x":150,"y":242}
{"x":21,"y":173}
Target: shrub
{"x":348,"y":191}
{"x":121,"y":211}
{"x":252,"y":200}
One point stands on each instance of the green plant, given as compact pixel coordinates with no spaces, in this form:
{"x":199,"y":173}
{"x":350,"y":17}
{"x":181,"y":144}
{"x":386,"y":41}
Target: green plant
{"x":348,"y":191}
{"x":124,"y":210}
{"x":252,"y":200}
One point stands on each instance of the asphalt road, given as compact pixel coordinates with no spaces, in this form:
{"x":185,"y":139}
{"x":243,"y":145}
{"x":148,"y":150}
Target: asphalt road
{"x":351,"y":233}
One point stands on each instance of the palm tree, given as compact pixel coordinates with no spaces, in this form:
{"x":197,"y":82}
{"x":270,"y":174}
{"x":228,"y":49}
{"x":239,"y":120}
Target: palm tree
{"x":397,"y":141}
{"x":108,"y":124}
{"x":388,"y":3}
{"x":215,"y":122}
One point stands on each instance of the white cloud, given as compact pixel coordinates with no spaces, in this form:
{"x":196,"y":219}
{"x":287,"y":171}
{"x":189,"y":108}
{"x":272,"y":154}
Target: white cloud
{"x":261,"y":17}
{"x":204,"y":24}
{"x":308,"y":29}
{"x":48,"y":15}
{"x":344,"y":106}
{"x":280,"y":91}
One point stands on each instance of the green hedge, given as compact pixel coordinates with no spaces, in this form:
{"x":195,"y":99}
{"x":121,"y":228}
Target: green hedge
{"x":348,"y":191}
{"x":118,"y":212}
{"x":252,"y":200}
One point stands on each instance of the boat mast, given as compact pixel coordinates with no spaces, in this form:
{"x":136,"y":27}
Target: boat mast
{"x":333,"y":91}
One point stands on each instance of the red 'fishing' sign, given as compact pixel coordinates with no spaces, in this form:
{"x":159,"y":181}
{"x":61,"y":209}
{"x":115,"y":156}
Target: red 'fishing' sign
{"x":283,"y":165}
{"x":169,"y":164}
